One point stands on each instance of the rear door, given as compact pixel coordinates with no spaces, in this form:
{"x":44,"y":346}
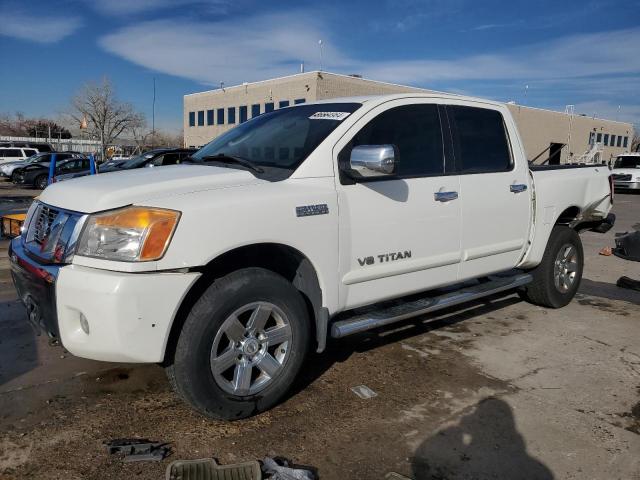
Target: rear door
{"x":398,"y":234}
{"x":494,"y":197}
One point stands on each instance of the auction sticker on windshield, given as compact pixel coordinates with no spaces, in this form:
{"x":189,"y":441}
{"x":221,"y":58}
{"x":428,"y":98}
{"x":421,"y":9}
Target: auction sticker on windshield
{"x":329,"y":115}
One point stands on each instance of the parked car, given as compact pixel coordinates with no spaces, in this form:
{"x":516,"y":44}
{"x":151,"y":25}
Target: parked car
{"x":37,"y":174}
{"x":152,"y":158}
{"x":8,"y":169}
{"x":626,"y":171}
{"x":228,"y":271}
{"x":40,"y":146}
{"x":15,"y":154}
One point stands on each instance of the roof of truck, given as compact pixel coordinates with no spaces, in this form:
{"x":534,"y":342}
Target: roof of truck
{"x":397,"y":96}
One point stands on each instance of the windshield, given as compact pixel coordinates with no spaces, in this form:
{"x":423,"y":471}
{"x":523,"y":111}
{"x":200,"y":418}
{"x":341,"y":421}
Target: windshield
{"x":38,"y":157}
{"x":281,"y":140}
{"x":138,"y":160}
{"x":628,"y":161}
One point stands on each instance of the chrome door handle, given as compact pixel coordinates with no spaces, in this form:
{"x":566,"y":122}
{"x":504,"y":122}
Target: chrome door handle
{"x":518,"y":188}
{"x":445,"y":196}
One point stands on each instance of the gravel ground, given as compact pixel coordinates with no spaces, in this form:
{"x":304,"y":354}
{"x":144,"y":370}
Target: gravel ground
{"x":496,"y":389}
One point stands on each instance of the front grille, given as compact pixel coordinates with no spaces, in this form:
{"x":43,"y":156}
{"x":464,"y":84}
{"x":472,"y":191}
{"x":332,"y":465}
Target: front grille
{"x":43,"y":221}
{"x":622,"y":177}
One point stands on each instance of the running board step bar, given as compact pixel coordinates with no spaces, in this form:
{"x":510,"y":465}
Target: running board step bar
{"x":396,"y":313}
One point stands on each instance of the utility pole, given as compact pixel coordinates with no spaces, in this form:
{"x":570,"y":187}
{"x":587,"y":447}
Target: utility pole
{"x":153,"y":115}
{"x":320,"y":44}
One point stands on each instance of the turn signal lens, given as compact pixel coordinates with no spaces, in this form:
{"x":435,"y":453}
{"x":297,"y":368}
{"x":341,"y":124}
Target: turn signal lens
{"x":133,"y":234}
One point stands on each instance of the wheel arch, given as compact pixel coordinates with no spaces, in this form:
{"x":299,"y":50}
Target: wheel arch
{"x":569,"y":216}
{"x":276,"y":257}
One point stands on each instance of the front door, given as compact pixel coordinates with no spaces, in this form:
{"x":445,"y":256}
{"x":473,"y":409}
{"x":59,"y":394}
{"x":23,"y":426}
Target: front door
{"x":494,"y":191}
{"x":400,"y":234}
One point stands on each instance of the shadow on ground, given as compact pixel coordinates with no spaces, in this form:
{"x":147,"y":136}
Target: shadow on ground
{"x":340,"y":350}
{"x":609,"y":291}
{"x":18,"y":347}
{"x":484,"y":444}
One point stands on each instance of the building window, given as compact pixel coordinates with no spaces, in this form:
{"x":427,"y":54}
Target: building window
{"x":283,"y":103}
{"x":192,"y":119}
{"x":599,"y":138}
{"x":243,"y":114}
{"x":209,"y":117}
{"x":619,"y":144}
{"x":592,"y":137}
{"x":231,"y":115}
{"x":626,"y":142}
{"x":606,"y":139}
{"x":201,"y":118}
{"x":255,"y":110}
{"x":298,"y":101}
{"x":268,"y":107}
{"x":220,"y":116}
{"x":612,"y":141}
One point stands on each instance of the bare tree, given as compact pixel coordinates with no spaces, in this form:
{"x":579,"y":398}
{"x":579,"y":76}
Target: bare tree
{"x":635,"y":143}
{"x":107,"y":117}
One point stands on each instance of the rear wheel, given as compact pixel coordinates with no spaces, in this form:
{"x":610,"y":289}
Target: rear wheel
{"x":557,"y":278}
{"x":41,"y":182}
{"x":242,"y":345}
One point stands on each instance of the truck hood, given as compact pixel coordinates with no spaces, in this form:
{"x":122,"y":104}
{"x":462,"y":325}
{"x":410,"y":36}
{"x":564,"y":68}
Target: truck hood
{"x":112,"y":190}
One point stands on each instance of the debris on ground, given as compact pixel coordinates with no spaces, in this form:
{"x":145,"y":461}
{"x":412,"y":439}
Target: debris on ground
{"x":363,"y":392}
{"x":395,"y":476}
{"x":628,"y":246}
{"x":280,"y":469}
{"x":138,"y":449}
{"x":630,"y":283}
{"x":606,"y":251}
{"x":208,"y":469}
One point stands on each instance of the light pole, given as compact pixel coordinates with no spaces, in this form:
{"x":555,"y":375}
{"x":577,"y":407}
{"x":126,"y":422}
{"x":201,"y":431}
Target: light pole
{"x":320,"y":45}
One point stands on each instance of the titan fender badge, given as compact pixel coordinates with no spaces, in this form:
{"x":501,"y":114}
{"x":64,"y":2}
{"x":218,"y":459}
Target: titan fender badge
{"x":309,"y":210}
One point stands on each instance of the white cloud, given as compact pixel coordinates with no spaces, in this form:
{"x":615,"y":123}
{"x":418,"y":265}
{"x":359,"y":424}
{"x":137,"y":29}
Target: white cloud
{"x":36,"y":27}
{"x":603,"y":66}
{"x":231,"y":51}
{"x":575,"y":56}
{"x":132,"y":7}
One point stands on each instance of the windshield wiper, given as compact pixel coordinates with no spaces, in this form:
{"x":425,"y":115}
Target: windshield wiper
{"x":224,"y":158}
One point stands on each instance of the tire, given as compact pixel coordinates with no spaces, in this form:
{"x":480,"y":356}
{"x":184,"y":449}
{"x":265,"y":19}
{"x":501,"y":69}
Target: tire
{"x":555,"y":287}
{"x":211,"y":341}
{"x":13,"y":178}
{"x":41,"y":182}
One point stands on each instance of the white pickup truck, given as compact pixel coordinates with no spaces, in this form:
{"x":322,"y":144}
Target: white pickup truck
{"x":230,"y":270}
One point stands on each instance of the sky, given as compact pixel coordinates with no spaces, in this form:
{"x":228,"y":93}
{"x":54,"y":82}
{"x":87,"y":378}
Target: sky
{"x":545,"y":54}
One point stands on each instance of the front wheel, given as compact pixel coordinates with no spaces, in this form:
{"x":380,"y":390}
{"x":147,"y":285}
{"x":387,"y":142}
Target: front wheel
{"x":241,"y":345}
{"x":557,"y":278}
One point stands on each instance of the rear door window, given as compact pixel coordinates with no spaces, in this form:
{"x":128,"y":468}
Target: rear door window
{"x":415,"y":132}
{"x":480,"y":140}
{"x":12,"y":152}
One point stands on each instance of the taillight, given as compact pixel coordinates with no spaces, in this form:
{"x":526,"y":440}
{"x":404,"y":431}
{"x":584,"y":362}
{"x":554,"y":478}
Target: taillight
{"x":611,"y":189}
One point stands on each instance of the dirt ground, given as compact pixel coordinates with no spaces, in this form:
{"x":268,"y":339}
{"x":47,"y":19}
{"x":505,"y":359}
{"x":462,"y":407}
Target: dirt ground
{"x":499,"y":389}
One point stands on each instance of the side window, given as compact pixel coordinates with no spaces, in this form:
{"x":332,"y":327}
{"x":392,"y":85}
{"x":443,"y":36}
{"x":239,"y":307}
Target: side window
{"x":170,"y":158}
{"x":480,"y":140}
{"x":13,"y":152}
{"x":415,"y":132}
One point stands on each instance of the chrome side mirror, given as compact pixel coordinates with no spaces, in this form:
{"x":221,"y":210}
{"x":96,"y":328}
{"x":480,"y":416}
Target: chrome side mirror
{"x":369,"y":161}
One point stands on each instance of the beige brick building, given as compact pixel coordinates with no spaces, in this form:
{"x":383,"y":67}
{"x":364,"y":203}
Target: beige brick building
{"x":208,"y":114}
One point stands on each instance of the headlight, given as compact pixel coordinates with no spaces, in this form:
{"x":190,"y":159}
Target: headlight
{"x":131,"y":234}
